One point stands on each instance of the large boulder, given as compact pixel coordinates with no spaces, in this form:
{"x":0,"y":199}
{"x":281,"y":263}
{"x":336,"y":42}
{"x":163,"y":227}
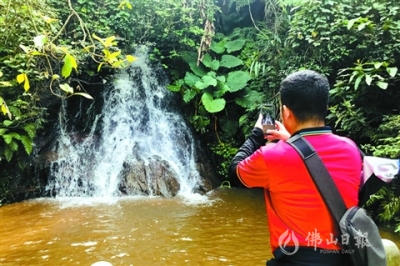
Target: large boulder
{"x":154,"y":177}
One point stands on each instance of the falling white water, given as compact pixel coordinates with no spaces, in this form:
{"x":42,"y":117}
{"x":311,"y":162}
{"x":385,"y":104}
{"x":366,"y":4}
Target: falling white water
{"x":136,"y":118}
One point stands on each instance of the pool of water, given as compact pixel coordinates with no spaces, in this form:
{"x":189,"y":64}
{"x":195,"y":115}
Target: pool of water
{"x":226,"y":227}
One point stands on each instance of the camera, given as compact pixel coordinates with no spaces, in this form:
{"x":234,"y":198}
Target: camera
{"x":268,"y":120}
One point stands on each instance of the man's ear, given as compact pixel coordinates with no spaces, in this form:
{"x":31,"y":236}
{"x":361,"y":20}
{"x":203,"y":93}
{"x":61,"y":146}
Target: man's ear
{"x":286,"y":112}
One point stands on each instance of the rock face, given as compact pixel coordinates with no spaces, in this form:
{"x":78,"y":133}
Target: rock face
{"x":154,"y":177}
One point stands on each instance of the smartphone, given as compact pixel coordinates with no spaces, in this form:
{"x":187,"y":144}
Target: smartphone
{"x":268,"y":120}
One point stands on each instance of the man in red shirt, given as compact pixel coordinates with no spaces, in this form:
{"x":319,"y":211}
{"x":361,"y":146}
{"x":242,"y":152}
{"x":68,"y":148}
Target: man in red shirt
{"x":302,"y":230}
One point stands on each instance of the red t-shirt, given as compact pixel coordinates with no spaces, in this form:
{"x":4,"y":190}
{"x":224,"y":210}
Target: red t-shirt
{"x":294,"y":205}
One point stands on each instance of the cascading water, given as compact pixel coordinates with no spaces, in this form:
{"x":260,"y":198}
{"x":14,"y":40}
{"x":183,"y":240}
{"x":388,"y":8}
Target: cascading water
{"x":137,"y":118}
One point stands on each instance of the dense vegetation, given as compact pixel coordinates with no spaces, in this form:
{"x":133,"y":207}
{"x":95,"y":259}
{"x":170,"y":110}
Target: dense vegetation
{"x":224,"y":59}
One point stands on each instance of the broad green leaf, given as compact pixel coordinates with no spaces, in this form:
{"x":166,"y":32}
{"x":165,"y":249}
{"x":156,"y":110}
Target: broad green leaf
{"x":222,"y":89}
{"x":392,"y":71}
{"x":87,"y":96}
{"x":3,"y":130}
{"x":351,"y":23}
{"x":237,"y":80}
{"x":207,"y":60}
{"x":55,"y":77}
{"x":382,"y":85}
{"x":69,"y":64}
{"x":358,"y":80}
{"x":173,"y":88}
{"x":221,"y":79}
{"x":190,"y":79}
{"x":7,"y":122}
{"x":377,"y":65}
{"x":67,"y":88}
{"x":198,"y":70}
{"x":361,"y":26}
{"x":200,"y":85}
{"x":209,"y":81}
{"x":40,"y":41}
{"x":214,"y":65}
{"x":27,"y":143}
{"x":235,"y":45}
{"x":368,"y":79}
{"x":217,"y":47}
{"x":248,"y":100}
{"x":188,"y":95}
{"x":230,"y":61}
{"x":212,"y":105}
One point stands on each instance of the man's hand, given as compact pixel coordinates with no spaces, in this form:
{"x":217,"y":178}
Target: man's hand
{"x":279,"y":133}
{"x":258,"y":123}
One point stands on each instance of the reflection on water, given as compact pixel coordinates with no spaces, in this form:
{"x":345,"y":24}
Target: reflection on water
{"x":228,"y":227}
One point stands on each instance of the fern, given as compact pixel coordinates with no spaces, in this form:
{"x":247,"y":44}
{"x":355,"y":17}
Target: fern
{"x":31,"y":130}
{"x":8,"y":153}
{"x":27,"y":142}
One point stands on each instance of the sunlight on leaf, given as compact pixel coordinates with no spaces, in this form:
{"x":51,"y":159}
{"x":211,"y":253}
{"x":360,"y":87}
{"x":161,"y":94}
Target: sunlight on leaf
{"x":5,"y":84}
{"x":40,"y":41}
{"x":24,"y":48}
{"x":382,"y":85}
{"x":49,"y":20}
{"x":67,"y":88}
{"x":130,"y":58}
{"x":392,"y":71}
{"x":84,"y":95}
{"x":69,"y":64}
{"x":21,"y":78}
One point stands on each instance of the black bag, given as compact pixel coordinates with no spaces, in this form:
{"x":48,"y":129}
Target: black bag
{"x":364,"y":245}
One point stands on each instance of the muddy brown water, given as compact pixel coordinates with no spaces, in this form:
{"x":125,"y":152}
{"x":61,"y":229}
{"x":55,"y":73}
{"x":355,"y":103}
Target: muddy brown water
{"x":227,"y":227}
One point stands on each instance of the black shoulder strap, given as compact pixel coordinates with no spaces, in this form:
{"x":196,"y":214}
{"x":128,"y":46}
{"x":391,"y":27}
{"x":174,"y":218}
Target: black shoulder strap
{"x":320,"y":176}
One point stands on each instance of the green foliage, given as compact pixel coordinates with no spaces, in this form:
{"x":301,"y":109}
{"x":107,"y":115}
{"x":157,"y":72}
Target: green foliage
{"x":225,"y":153}
{"x":217,"y":81}
{"x":386,"y":203}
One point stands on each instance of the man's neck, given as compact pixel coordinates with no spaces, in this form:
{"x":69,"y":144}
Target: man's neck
{"x":308,"y":124}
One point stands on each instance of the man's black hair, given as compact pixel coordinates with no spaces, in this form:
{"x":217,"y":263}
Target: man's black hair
{"x":306,"y":93}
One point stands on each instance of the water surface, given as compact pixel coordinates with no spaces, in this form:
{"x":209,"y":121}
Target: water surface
{"x":227,"y":227}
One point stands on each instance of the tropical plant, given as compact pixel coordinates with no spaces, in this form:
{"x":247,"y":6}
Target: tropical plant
{"x":216,"y":82}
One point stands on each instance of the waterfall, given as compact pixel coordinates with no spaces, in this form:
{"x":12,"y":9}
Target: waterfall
{"x":138,"y":117}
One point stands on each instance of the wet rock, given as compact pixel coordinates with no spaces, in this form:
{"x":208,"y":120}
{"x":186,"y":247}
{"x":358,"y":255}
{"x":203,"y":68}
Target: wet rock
{"x":392,"y":252}
{"x":156,"y":177}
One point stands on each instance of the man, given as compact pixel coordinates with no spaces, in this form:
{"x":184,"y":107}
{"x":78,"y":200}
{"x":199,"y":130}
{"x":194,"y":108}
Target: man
{"x":302,"y":231}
